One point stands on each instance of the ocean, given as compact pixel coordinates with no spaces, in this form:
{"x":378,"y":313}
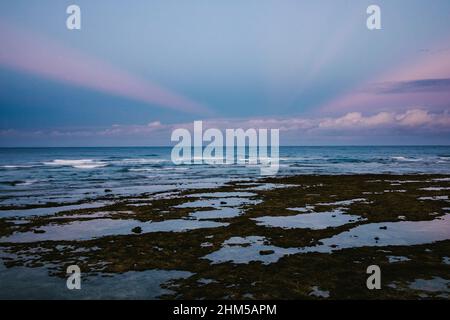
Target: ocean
{"x":32,"y":176}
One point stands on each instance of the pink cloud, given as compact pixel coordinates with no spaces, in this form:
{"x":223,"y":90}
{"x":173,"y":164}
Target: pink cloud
{"x":354,"y":120}
{"x":412,"y":121}
{"x":33,"y":53}
{"x":434,"y":65}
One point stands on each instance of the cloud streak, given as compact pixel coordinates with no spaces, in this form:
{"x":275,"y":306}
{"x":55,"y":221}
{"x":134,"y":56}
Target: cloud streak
{"x":412,"y":122}
{"x":412,"y":86}
{"x":33,"y":53}
{"x":422,"y":81}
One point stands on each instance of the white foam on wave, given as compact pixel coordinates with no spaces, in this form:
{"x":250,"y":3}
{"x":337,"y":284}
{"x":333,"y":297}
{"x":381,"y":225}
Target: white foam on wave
{"x":158,"y":169}
{"x":400,"y":158}
{"x":441,"y":179}
{"x":15,"y":166}
{"x":306,"y":158}
{"x":140,"y":161}
{"x":77,"y":163}
{"x":27,"y":182}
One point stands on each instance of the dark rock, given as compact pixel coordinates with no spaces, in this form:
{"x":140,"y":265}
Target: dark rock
{"x":137,"y":230}
{"x":266,"y":252}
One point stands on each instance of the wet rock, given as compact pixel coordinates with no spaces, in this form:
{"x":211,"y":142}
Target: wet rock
{"x":136,"y":230}
{"x":266,"y":252}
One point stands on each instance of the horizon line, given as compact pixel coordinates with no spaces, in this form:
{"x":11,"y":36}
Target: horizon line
{"x":281,"y":146}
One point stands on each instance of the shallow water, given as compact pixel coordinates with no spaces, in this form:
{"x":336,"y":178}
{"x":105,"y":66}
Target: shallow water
{"x":314,"y":221}
{"x":394,"y":259}
{"x":319,"y":293}
{"x":221,"y":202}
{"x":89,"y":229}
{"x":50,"y":210}
{"x":221,"y":213}
{"x":222,"y":194}
{"x":396,"y":234}
{"x":35,"y":283}
{"x":435,"y":188}
{"x":434,"y":198}
{"x":436,"y":284}
{"x":342,"y":202}
{"x":267,"y":187}
{"x":247,"y":249}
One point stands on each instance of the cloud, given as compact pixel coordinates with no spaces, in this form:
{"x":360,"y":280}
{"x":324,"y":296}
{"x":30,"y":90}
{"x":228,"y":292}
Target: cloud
{"x":412,"y":86}
{"x":33,"y":53}
{"x":356,"y":120}
{"x":412,"y":119}
{"x":422,"y":80}
{"x":412,"y":122}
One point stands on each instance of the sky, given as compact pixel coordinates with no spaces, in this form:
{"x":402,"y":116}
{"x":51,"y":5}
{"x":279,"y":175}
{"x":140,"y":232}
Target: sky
{"x":138,"y":70}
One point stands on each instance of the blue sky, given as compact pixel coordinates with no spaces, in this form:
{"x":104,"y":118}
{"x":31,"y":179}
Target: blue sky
{"x":138,"y":69}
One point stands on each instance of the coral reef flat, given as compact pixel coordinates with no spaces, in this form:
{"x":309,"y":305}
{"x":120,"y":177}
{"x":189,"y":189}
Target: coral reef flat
{"x":291,"y":237}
